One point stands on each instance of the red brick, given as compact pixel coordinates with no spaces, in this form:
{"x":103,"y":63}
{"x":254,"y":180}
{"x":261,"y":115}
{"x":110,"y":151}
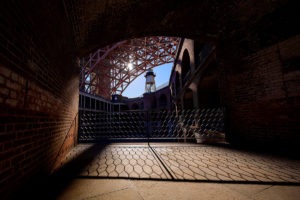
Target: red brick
{"x":13,"y":85}
{"x":11,"y":102}
{"x":14,"y":77}
{"x":5,"y":72}
{"x":252,"y":93}
{"x":4,"y":92}
{"x":2,"y":100}
{"x":13,"y":94}
{"x":2,"y":80}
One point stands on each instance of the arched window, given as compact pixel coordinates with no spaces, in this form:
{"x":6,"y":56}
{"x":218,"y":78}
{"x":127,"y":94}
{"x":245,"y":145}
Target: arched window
{"x":185,"y":67}
{"x":177,"y":84}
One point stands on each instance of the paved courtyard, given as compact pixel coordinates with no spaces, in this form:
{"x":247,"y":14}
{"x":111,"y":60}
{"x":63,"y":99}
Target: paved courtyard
{"x":184,"y":162}
{"x":138,"y":171}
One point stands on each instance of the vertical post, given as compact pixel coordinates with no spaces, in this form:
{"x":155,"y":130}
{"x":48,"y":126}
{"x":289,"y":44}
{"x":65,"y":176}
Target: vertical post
{"x":184,"y":134}
{"x":181,"y":122}
{"x":90,"y":102}
{"x":147,"y":125}
{"x":83,"y":102}
{"x":119,"y":118}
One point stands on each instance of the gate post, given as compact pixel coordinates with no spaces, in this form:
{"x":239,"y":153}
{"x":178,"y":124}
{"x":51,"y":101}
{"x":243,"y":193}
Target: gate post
{"x":147,"y":121}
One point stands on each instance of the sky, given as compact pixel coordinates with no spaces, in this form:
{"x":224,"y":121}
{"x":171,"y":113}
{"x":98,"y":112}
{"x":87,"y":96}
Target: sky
{"x":137,"y":87}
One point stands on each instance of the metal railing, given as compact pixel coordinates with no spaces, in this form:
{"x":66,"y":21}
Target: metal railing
{"x":150,"y":125}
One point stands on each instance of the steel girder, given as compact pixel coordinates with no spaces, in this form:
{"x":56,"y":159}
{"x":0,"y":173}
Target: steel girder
{"x":111,"y":69}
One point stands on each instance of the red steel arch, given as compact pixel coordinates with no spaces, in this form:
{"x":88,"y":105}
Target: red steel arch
{"x":111,"y":69}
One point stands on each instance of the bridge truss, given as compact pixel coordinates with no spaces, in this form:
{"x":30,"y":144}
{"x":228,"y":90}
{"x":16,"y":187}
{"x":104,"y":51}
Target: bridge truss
{"x":111,"y":69}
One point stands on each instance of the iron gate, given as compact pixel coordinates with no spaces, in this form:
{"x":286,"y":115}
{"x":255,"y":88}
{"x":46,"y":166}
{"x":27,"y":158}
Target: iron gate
{"x":183,"y":125}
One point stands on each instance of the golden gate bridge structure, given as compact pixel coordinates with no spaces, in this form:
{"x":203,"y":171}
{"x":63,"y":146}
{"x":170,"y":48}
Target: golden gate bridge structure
{"x":109,"y":70}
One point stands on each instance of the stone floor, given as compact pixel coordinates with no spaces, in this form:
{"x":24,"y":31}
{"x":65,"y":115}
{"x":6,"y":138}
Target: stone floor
{"x":175,"y":161}
{"x":173,"y":171}
{"x":111,"y":189}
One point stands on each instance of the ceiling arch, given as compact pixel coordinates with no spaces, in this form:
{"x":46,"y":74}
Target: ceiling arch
{"x":238,"y":27}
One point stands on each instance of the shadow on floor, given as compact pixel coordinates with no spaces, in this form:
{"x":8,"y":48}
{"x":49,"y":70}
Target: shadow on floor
{"x":179,"y":162}
{"x":50,"y":186}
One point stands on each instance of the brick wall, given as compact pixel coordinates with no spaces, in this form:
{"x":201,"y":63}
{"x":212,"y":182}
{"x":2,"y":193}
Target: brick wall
{"x":38,"y":99}
{"x":262,"y":93}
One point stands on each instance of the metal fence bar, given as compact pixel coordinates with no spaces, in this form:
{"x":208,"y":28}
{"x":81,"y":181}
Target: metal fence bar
{"x":156,"y":125}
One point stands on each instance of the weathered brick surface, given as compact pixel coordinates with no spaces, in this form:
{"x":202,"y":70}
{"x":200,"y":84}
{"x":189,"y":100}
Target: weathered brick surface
{"x":38,"y":102}
{"x":36,"y":129}
{"x":263,"y":98}
{"x":39,"y":86}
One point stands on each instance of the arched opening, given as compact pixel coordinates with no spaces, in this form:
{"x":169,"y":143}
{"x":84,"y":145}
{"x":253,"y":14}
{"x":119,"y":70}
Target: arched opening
{"x":39,"y":78}
{"x":111,"y":69}
{"x":185,"y":67}
{"x":177,"y":84}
